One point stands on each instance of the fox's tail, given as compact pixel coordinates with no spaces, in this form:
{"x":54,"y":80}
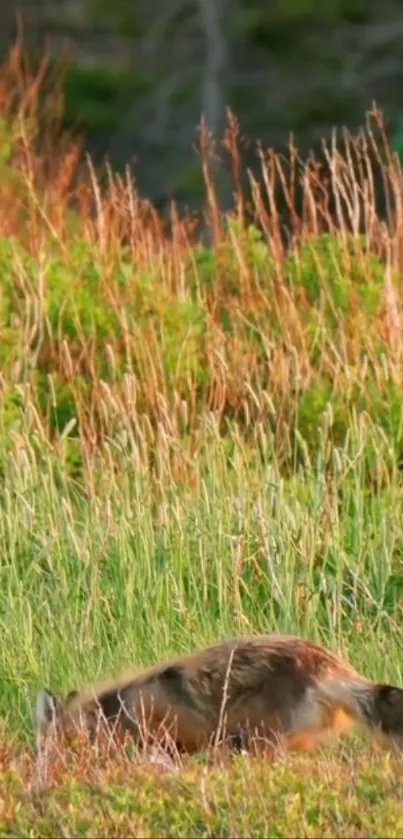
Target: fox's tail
{"x":378,"y":706}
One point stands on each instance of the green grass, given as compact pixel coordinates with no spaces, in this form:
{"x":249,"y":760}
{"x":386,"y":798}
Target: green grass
{"x":195,"y":442}
{"x":145,"y":566}
{"x":142,"y":567}
{"x":346,"y":796}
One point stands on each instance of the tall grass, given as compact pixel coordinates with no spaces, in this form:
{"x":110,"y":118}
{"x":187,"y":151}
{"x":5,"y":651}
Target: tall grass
{"x":143,"y":566}
{"x":114,"y":324}
{"x":195,"y":440}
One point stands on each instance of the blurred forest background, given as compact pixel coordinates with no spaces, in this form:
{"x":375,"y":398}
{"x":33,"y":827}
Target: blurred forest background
{"x":141,"y":73}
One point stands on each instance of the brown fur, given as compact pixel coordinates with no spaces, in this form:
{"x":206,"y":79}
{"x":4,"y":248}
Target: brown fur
{"x":266,"y":687}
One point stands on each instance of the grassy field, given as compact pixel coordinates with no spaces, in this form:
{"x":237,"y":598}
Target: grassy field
{"x":195,"y":441}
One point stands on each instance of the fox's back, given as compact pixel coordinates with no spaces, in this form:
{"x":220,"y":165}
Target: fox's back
{"x":280,"y":665}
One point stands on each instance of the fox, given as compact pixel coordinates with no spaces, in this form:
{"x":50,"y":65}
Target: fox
{"x":255,"y":690}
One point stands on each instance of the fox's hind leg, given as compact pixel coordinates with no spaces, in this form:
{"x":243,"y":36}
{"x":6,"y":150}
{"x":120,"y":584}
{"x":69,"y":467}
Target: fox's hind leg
{"x":254,"y":743}
{"x":310,"y":724}
{"x":315,"y":721}
{"x":238,"y":741}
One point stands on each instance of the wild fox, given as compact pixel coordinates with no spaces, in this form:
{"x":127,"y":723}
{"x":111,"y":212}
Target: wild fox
{"x":239,"y":692}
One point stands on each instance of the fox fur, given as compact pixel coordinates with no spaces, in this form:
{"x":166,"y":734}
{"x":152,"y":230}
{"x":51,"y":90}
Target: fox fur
{"x":258,"y":689}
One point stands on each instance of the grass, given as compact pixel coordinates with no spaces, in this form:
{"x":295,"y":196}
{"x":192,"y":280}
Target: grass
{"x":195,"y":441}
{"x":346,"y":796}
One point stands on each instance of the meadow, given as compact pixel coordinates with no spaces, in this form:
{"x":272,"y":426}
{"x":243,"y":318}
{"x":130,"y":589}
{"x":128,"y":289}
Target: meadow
{"x":196,"y":441}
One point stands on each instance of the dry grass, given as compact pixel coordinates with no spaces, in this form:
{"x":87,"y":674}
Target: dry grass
{"x":344,"y":794}
{"x":133,"y":328}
